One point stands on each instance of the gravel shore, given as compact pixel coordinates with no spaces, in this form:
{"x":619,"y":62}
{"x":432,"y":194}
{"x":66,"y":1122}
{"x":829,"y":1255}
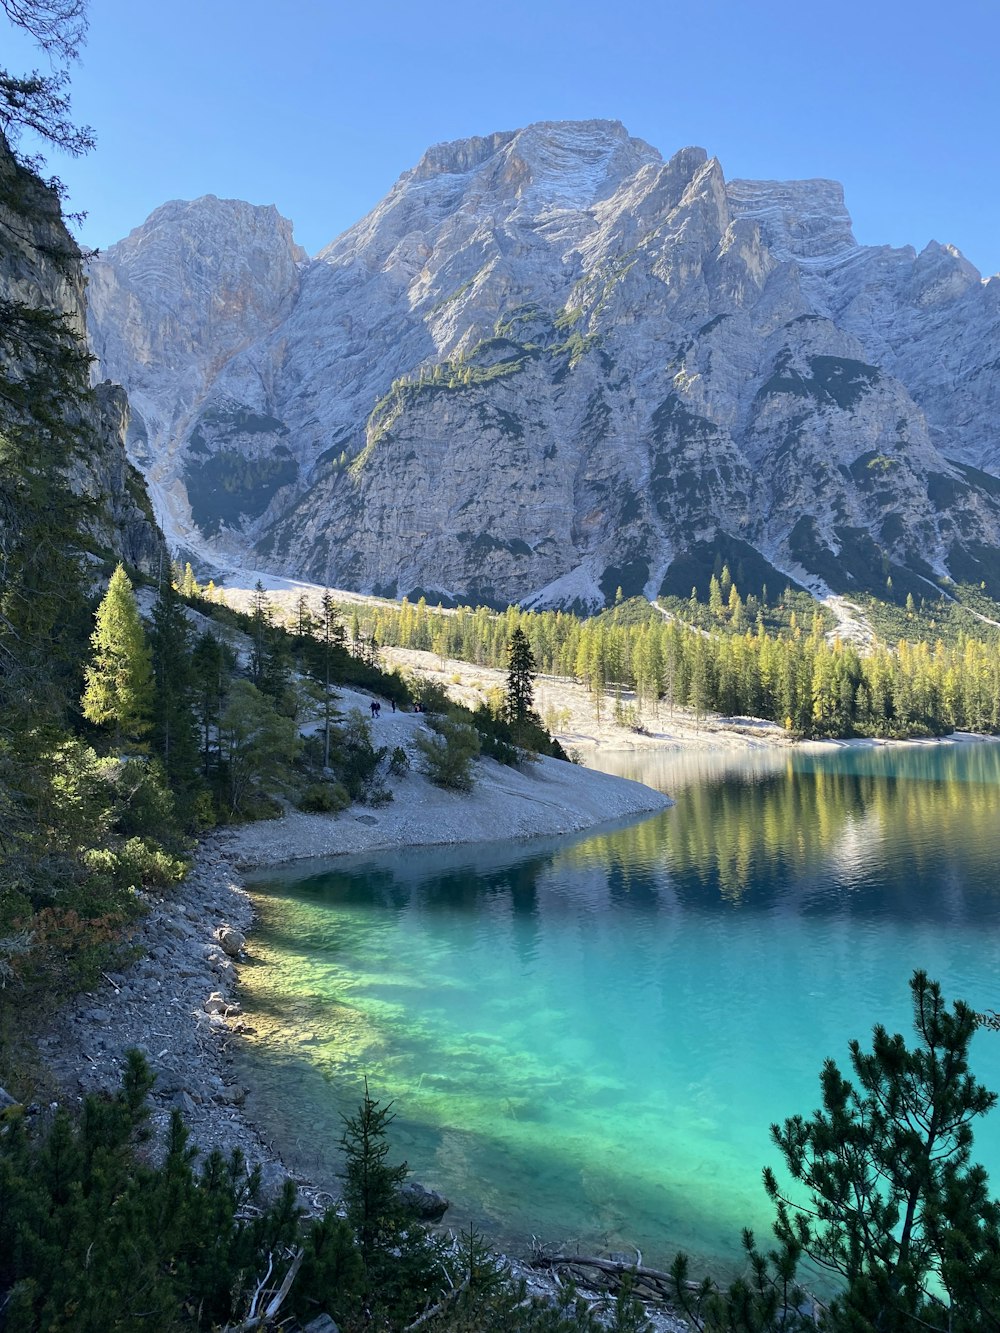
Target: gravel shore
{"x":507,"y":804}
{"x":163,"y":1004}
{"x":179,"y":1003}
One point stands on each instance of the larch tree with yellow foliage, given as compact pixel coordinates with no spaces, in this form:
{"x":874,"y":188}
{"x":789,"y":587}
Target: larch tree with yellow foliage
{"x":118,"y":690}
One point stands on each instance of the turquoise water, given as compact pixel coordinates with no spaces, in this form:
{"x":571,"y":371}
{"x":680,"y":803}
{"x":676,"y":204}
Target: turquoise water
{"x":586,"y":1039}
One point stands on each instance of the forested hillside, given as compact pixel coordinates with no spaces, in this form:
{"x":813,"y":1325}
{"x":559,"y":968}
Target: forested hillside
{"x":779,"y":660}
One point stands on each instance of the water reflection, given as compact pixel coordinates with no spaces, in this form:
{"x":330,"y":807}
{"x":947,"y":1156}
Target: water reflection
{"x":867,"y":829}
{"x":876,"y":831}
{"x":587,"y":1037}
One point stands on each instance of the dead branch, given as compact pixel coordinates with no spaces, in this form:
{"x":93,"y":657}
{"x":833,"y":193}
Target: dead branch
{"x":612,"y":1266}
{"x":254,"y":1320}
{"x":448,"y":1299}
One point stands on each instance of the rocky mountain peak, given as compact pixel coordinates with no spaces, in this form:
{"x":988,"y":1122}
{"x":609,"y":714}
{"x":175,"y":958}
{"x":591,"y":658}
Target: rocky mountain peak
{"x":941,"y":273}
{"x":459,"y":156}
{"x":572,"y":164}
{"x":175,"y":300}
{"x":236,"y":260}
{"x":550,"y":363}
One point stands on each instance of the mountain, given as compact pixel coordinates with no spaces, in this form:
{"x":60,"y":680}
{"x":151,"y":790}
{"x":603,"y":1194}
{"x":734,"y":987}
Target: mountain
{"x":550,"y":363}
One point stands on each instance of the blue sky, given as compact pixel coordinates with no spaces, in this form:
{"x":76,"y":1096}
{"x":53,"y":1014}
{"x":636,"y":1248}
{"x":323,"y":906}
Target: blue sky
{"x":318,"y":107}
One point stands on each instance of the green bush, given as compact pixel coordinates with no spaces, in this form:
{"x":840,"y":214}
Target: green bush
{"x":447,"y":755}
{"x":93,"y":1239}
{"x":430,"y":694}
{"x":139,"y":863}
{"x":143,"y":803}
{"x":324,"y":798}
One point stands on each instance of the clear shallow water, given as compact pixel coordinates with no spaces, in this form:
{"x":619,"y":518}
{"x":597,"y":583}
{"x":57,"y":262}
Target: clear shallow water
{"x":587,"y":1039}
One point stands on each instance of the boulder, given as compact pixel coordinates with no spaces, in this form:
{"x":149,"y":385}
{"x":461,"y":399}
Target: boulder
{"x":428,"y":1205}
{"x":231,"y":941}
{"x":215,"y":1004}
{"x":321,"y":1324}
{"x":167,"y":1082}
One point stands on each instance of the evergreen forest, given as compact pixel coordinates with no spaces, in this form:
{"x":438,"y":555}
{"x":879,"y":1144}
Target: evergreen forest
{"x":782,"y":661}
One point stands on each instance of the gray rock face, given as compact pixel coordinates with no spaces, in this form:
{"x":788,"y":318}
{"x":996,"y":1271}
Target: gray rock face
{"x":549,"y":364}
{"x":174,"y":304}
{"x":40,"y":266}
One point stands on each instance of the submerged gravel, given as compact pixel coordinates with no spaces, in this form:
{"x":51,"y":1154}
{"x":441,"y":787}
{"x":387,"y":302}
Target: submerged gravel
{"x":179,"y":1002}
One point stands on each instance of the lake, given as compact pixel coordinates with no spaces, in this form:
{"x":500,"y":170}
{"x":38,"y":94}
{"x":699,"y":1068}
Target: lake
{"x":586,"y":1039}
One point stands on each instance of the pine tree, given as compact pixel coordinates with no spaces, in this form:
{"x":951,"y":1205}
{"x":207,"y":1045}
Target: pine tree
{"x":212,"y":664}
{"x":714,"y":599}
{"x":520,"y":693}
{"x":332,"y":642}
{"x":188,"y":584}
{"x":119,"y":681}
{"x":259,"y":745}
{"x":269,"y":660}
{"x":895,"y":1209}
{"x":305,"y":625}
{"x":398,"y":1257}
{"x":261,"y":630}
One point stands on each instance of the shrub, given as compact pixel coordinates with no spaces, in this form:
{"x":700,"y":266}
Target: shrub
{"x":95,"y":1239}
{"x":447,"y":755}
{"x":141,"y":862}
{"x":324,"y":798}
{"x":355,"y":757}
{"x":399,"y":762}
{"x":430,"y":694}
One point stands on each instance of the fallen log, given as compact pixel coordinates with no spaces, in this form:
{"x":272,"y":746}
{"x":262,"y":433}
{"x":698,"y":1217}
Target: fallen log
{"x":615,"y":1267}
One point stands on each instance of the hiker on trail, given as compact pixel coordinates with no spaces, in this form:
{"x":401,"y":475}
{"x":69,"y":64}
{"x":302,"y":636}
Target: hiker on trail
{"x":378,"y":709}
{"x":374,"y":707}
{"x":393,"y":702}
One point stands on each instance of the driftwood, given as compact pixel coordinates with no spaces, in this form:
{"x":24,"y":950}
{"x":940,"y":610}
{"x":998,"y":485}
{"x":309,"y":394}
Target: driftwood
{"x":614,"y":1268}
{"x":649,"y":1284}
{"x":258,"y":1318}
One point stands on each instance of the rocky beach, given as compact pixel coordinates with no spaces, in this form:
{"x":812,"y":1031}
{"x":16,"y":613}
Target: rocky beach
{"x":179,"y":1002}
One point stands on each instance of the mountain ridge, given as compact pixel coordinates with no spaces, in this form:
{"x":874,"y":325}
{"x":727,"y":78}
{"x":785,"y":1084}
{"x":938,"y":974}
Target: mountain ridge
{"x":658,"y":364}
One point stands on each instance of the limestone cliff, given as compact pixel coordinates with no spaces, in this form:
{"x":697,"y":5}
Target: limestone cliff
{"x":41,"y":270}
{"x":549,"y":364}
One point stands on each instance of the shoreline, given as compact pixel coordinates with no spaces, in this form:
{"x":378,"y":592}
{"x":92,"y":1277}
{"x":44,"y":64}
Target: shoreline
{"x":546,"y":798}
{"x":179,"y":1003}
